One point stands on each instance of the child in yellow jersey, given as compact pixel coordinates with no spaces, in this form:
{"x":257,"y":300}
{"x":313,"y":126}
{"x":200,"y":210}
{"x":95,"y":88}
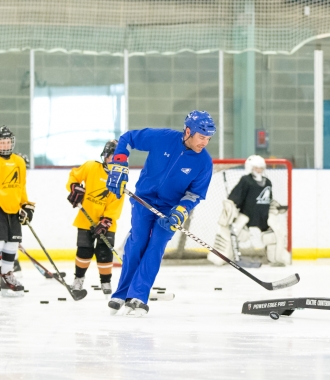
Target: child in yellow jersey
{"x":15,"y":209}
{"x":104,"y":208}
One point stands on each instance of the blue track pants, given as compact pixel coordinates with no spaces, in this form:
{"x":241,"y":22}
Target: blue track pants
{"x":143,"y":253}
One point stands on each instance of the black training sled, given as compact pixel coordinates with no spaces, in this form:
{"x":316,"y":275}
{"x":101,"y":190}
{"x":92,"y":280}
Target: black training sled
{"x":284,"y":306}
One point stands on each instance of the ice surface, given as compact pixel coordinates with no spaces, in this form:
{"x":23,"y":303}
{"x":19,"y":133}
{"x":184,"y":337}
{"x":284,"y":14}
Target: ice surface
{"x":201,"y":334}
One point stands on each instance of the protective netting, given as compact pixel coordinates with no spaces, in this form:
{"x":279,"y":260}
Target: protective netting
{"x":162,"y":26}
{"x":203,"y":221}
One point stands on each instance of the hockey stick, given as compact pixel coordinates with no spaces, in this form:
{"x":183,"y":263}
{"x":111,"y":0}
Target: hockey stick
{"x":45,"y":272}
{"x":286,"y":282}
{"x":75,"y":294}
{"x":103,"y":237}
{"x":234,"y":239}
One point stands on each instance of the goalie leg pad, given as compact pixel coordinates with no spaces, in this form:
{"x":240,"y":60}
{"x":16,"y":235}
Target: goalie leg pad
{"x":240,"y":222}
{"x":251,"y":245}
{"x":223,"y":245}
{"x":229,"y":213}
{"x":276,"y":252}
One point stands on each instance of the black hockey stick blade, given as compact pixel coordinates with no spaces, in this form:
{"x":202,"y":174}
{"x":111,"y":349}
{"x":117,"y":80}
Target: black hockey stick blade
{"x":248,"y":264}
{"x":79,"y":294}
{"x":45,"y":272}
{"x":161,"y":297}
{"x":54,"y":275}
{"x":284,"y":283}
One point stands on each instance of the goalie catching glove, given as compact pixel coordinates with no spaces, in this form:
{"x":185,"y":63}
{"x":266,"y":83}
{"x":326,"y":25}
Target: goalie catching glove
{"x":178,"y":216}
{"x":77,"y":194}
{"x":118,"y":175}
{"x":26,"y":213}
{"x":102,"y":227}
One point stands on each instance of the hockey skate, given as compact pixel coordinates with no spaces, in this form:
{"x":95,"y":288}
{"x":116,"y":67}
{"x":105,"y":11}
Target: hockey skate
{"x":135,"y":308}
{"x":78,"y":283}
{"x":115,"y":305}
{"x":10,"y":287}
{"x":106,"y":288}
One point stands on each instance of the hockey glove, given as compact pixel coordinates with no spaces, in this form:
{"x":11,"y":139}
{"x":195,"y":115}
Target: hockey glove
{"x":178,"y":216}
{"x":77,"y":194}
{"x":118,"y":175}
{"x":102,"y":227}
{"x":26,"y":213}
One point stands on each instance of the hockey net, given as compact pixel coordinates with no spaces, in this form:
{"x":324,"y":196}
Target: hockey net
{"x":162,"y":26}
{"x":203,"y":221}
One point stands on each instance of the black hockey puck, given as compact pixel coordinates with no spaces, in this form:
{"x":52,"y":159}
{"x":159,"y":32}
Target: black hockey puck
{"x":274,"y":315}
{"x":44,"y":301}
{"x":62,"y":299}
{"x":26,"y":291}
{"x":153,"y":299}
{"x":160,"y":292}
{"x":217,"y":288}
{"x":157,"y":288}
{"x":94,"y":286}
{"x":97,"y":288}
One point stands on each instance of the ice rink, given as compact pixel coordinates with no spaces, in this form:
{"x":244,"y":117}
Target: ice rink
{"x":201,"y":334}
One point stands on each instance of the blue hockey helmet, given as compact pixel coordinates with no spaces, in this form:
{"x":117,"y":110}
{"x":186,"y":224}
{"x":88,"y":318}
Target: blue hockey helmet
{"x":201,"y":122}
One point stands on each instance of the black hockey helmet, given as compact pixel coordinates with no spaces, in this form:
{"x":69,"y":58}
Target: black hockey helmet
{"x":6,"y":133}
{"x":109,"y":148}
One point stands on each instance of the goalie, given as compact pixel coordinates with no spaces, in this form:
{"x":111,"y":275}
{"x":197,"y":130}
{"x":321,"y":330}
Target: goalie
{"x":250,"y":223}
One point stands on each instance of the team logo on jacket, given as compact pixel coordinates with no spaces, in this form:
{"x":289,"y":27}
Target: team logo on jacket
{"x":98,"y":196}
{"x":264,"y":197}
{"x":186,"y":170}
{"x":13,"y":179}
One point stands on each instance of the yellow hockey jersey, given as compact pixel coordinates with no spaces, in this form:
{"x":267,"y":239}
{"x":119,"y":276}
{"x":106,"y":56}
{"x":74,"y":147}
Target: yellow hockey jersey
{"x":12,"y":184}
{"x":98,"y":201}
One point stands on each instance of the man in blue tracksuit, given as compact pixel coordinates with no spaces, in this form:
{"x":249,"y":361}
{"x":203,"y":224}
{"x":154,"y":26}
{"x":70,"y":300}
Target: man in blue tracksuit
{"x":174,"y":179}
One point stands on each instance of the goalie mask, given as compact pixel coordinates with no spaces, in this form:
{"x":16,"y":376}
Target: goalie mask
{"x":7,"y":141}
{"x":256,"y":166}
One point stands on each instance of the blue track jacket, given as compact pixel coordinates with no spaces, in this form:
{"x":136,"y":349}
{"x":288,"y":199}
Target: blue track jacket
{"x":172,"y":175}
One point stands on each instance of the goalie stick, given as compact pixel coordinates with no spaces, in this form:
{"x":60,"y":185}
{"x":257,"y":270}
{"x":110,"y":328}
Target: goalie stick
{"x":103,"y":237}
{"x":45,"y":272}
{"x":75,"y":294}
{"x":284,"y":283}
{"x":234,"y":239}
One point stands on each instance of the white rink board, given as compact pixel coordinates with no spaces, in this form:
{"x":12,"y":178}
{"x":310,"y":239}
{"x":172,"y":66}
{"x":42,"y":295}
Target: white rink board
{"x":54,"y":215}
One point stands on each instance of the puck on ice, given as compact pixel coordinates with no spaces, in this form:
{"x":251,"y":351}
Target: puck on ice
{"x":97,"y":288}
{"x":62,"y":299}
{"x":156,"y":288}
{"x":26,"y":291}
{"x":274,"y":315}
{"x":217,"y":288}
{"x":44,"y":301}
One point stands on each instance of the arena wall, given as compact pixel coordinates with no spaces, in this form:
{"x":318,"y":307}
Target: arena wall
{"x":54,"y":215}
